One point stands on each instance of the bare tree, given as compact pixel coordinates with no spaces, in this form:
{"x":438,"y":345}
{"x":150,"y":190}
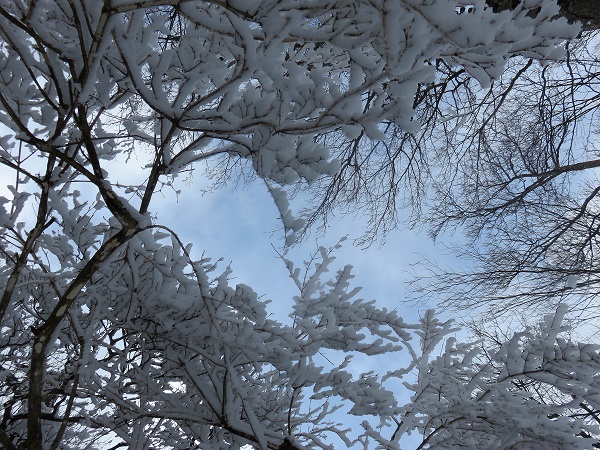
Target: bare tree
{"x":524,"y":190}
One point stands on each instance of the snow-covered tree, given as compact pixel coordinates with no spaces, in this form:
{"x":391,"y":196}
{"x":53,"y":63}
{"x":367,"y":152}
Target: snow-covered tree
{"x":535,"y":390}
{"x":112,"y":335}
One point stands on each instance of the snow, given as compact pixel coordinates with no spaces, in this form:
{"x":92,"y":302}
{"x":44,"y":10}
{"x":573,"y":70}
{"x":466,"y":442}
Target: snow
{"x":268,"y":84}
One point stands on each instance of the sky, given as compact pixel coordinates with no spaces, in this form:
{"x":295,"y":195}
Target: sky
{"x":242,"y":226}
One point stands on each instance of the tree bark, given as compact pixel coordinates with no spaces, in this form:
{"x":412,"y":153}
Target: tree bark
{"x":587,"y":12}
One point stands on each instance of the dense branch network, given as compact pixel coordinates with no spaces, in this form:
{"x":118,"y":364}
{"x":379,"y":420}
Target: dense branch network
{"x":525,"y":193}
{"x":113,"y":335}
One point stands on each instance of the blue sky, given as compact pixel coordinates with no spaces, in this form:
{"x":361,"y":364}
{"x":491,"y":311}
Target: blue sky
{"x":242,"y":226}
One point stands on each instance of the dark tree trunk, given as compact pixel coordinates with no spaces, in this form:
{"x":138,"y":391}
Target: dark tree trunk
{"x":585,"y":11}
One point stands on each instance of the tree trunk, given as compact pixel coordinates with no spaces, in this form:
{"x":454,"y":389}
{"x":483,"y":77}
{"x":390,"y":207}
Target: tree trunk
{"x":585,"y":11}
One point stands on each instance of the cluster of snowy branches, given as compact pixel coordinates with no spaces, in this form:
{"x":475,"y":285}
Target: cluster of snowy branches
{"x":157,"y":352}
{"x":112,"y":335}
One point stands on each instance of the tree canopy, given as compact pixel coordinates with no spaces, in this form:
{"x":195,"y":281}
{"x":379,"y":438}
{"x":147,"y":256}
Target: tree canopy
{"x":524,"y":190}
{"x":112,"y":335}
